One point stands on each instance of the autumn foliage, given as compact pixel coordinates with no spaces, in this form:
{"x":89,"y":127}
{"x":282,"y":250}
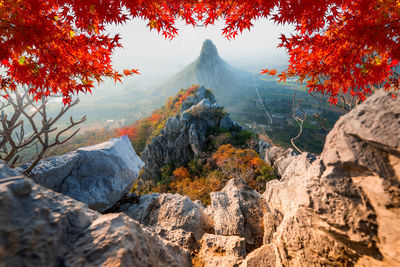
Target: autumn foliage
{"x":243,"y":163}
{"x":141,"y":131}
{"x":343,"y":47}
{"x":61,"y":47}
{"x":201,"y":177}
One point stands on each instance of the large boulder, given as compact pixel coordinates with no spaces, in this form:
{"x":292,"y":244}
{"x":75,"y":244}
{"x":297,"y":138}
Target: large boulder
{"x":343,"y":208}
{"x":172,"y":216}
{"x":238,"y":210}
{"x":40,"y":227}
{"x":98,"y":175}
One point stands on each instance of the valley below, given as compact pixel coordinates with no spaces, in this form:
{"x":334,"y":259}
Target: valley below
{"x":258,"y":103}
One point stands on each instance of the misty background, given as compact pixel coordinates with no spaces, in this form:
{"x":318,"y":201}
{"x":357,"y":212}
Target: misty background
{"x":230,"y":68}
{"x":158,"y":58}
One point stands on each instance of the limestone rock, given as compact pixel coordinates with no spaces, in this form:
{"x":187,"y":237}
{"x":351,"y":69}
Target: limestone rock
{"x":184,"y":135}
{"x":117,"y":240}
{"x":97,"y":175}
{"x":36,"y":224}
{"x":172,"y":216}
{"x":262,"y":149}
{"x":40,"y":227}
{"x":218,"y":250}
{"x":284,"y":160}
{"x":238,"y":210}
{"x":343,"y":207}
{"x":263,"y":256}
{"x":272,"y":154}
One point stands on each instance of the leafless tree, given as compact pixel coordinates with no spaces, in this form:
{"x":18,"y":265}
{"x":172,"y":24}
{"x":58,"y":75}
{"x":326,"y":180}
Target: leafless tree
{"x":26,"y":113}
{"x":299,"y":117}
{"x":321,"y":121}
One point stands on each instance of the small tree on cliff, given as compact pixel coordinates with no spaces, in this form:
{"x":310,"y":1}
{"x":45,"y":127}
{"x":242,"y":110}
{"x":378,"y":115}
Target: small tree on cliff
{"x":60,"y":47}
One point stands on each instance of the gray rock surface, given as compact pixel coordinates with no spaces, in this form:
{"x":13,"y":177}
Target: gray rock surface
{"x":117,"y":240}
{"x":40,"y":227}
{"x":185,"y":134}
{"x":172,"y":216}
{"x":263,"y":148}
{"x":272,"y":154}
{"x":97,"y":175}
{"x":342,"y":208}
{"x":238,"y":210}
{"x":219,"y":250}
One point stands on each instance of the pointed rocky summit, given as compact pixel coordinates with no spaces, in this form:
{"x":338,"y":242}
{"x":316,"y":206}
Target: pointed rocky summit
{"x":229,"y":84}
{"x":209,"y":53}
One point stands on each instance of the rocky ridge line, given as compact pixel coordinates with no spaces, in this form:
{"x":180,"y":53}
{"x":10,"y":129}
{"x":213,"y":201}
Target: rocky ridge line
{"x":185,"y":134}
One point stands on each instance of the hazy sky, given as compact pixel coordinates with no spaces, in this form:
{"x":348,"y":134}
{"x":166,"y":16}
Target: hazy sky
{"x":157,"y":57}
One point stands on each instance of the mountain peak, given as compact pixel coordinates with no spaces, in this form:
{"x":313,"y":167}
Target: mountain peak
{"x":208,"y":51}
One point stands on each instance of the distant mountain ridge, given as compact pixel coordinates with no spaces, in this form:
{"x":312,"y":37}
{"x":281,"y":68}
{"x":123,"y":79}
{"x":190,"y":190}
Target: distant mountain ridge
{"x":229,"y":84}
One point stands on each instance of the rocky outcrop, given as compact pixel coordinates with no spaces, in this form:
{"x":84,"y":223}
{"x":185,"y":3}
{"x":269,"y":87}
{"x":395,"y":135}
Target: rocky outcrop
{"x":279,"y":158}
{"x":263,"y":256}
{"x":185,"y":134}
{"x":98,"y":175}
{"x":219,"y":250}
{"x":117,"y":240}
{"x":238,"y":210}
{"x":39,"y":227}
{"x":342,"y":208}
{"x":221,"y":234}
{"x":172,"y":216}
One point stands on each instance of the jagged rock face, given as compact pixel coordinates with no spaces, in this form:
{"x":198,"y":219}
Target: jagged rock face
{"x":342,"y":208}
{"x":280,"y":159}
{"x":39,"y":227}
{"x":185,"y":134}
{"x":98,"y":175}
{"x":238,"y":210}
{"x":220,"y":250}
{"x":117,"y":240}
{"x":263,"y":256}
{"x":223,"y":233}
{"x":172,"y":216}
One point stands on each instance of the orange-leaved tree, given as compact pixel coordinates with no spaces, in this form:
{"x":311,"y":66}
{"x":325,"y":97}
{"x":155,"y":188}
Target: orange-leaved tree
{"x":61,"y":47}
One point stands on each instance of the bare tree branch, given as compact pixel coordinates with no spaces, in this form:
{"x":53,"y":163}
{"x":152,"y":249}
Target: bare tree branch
{"x":26,"y":112}
{"x":321,"y":121}
{"x":299,"y":120}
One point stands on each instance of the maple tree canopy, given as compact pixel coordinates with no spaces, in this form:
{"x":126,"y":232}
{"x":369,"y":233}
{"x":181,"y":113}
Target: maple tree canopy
{"x":60,"y":47}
